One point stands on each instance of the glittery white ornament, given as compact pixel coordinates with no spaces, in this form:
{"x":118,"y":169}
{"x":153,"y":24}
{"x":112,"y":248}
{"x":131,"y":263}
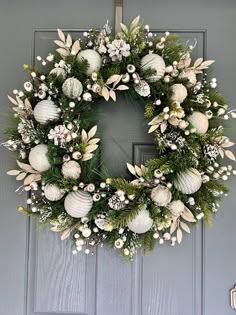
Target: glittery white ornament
{"x":189,"y":181}
{"x":58,"y":72}
{"x":71,"y":169}
{"x":72,"y":88}
{"x":190,"y":75}
{"x":53,"y":193}
{"x":78,"y":204}
{"x":46,"y":111}
{"x":38,"y":158}
{"x":156,"y":63}
{"x":199,"y":121}
{"x":176,"y":207}
{"x":179,"y":93}
{"x":93,"y":58}
{"x":142,"y":222}
{"x":142,"y":88}
{"x":161,"y":195}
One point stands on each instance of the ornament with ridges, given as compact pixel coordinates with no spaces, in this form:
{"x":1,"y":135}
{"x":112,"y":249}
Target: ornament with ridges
{"x":155,"y":63}
{"x":46,"y":111}
{"x":78,"y":204}
{"x":189,"y":181}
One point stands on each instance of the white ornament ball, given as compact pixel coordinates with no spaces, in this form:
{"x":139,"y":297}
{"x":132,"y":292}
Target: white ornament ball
{"x":189,"y":181}
{"x":53,"y":193}
{"x":38,"y":158}
{"x":46,"y":111}
{"x":58,"y":72}
{"x":71,"y":169}
{"x":72,"y":88}
{"x":78,"y":204}
{"x":199,"y":121}
{"x":190,"y":75}
{"x":161,"y":195}
{"x":179,"y":93}
{"x":93,"y":58}
{"x":142,"y":222}
{"x":176,"y":207}
{"x":154,"y":62}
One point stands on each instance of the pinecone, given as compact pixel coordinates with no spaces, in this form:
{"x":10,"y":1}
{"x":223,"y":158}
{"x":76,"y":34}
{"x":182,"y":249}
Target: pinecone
{"x":211,"y":152}
{"x":115,"y":203}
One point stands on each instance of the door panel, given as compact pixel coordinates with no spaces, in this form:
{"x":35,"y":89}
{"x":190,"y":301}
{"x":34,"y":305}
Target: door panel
{"x":38,"y":274}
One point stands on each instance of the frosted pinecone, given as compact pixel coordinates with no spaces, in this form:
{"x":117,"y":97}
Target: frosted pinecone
{"x":211,"y":152}
{"x":115,"y":203}
{"x":118,"y":49}
{"x":143,"y":88}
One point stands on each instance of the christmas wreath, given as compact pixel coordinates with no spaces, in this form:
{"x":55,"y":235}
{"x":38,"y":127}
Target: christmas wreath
{"x":55,"y":140}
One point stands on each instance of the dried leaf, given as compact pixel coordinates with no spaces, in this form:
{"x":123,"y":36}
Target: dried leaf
{"x":179,"y":236}
{"x":66,"y":234}
{"x":87,"y":156}
{"x":63,"y":52}
{"x":94,"y":141}
{"x":31,"y":178}
{"x":173,"y":227}
{"x":26,"y":167}
{"x":185,"y":227}
{"x":207,"y":63}
{"x":84,"y":136}
{"x":68,"y":41}
{"x":153,"y":128}
{"x":131,"y":169}
{"x":12,"y":100}
{"x":75,"y":48}
{"x":91,"y":148}
{"x":230,"y":155}
{"x":187,"y":215}
{"x":55,"y":229}
{"x":134,"y":23}
{"x":59,"y":43}
{"x":113,"y":79}
{"x":198,"y":62}
{"x":13,"y":172}
{"x":92,"y":132}
{"x":21,"y":176}
{"x":105,"y":93}
{"x":227,"y":144}
{"x":113,"y":95}
{"x":163,"y":127}
{"x":222,"y":153}
{"x":138,"y":170}
{"x":61,"y":35}
{"x":124,"y":28}
{"x":122,"y":87}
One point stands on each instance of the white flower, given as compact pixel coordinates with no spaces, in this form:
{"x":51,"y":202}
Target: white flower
{"x":118,"y":49}
{"x":102,"y":49}
{"x":161,"y":195}
{"x":60,"y":135}
{"x":119,"y":243}
{"x":176,"y":207}
{"x":143,"y":88}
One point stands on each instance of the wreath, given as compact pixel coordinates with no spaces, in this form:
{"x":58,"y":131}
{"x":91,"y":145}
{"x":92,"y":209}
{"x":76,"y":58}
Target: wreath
{"x":57,"y":148}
